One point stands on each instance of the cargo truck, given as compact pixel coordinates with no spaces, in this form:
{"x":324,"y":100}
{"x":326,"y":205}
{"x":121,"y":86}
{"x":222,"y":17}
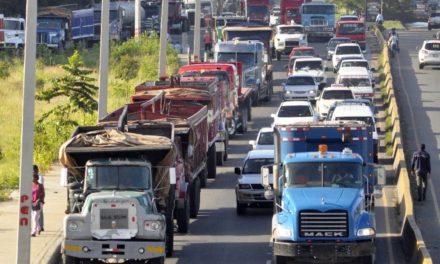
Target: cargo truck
{"x":323,"y":186}
{"x":121,"y":199}
{"x":58,"y":25}
{"x":256,"y":10}
{"x":11,"y":32}
{"x":318,"y":19}
{"x":290,"y":10}
{"x":354,"y":30}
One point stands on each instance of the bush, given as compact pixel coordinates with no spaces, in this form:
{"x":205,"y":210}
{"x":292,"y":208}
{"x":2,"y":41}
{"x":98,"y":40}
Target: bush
{"x":5,"y":69}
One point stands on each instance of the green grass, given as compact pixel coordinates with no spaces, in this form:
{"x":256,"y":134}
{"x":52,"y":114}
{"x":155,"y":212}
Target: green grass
{"x":389,"y":24}
{"x":48,"y":68}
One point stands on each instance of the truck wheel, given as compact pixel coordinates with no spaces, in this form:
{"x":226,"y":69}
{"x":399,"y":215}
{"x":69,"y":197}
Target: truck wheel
{"x":255,"y":98}
{"x":169,"y":231}
{"x":182,"y":216}
{"x":195,"y":198}
{"x":203,"y":177}
{"x":212,"y":168}
{"x":69,"y":260}
{"x":278,"y":56}
{"x":225,"y":154}
{"x":421,"y":66}
{"x":231,"y":127}
{"x":160,"y":260}
{"x":241,"y":208}
{"x":219,"y":158}
{"x":243,"y":120}
{"x":268,"y":93}
{"x":279,"y":259}
{"x":249,"y":108}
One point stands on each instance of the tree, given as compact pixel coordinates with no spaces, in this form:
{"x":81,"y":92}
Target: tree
{"x":76,"y":87}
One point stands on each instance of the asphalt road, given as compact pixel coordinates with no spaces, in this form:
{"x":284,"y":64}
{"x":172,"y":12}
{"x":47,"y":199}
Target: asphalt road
{"x":219,"y":235}
{"x":419,"y":101}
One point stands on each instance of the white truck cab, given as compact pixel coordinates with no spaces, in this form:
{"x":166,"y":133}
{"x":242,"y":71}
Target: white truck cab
{"x":11,"y":32}
{"x":313,"y":66}
{"x":288,"y":37}
{"x":358,"y":79}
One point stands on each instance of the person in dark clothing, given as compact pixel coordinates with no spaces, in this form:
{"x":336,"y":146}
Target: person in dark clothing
{"x":421,"y":167}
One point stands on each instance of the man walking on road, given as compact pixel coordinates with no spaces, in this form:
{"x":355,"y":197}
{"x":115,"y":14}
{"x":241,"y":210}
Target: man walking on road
{"x":421,"y":167}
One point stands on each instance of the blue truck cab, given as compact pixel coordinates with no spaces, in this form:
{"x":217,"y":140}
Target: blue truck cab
{"x":321,"y":189}
{"x":318,"y":19}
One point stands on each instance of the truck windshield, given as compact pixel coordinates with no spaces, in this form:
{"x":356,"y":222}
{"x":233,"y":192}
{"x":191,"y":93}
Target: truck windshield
{"x":308,"y":65}
{"x":351,"y":29}
{"x":118,"y":178}
{"x":48,"y":25}
{"x":258,"y":10}
{"x":253,"y":166}
{"x":247,"y":59}
{"x":350,"y":82}
{"x":12,"y":25}
{"x":363,"y":64}
{"x":151,"y":11}
{"x":319,"y":9}
{"x":318,"y":174}
{"x":291,"y":30}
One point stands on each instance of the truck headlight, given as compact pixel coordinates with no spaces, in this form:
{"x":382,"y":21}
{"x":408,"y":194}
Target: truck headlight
{"x":244,"y":186}
{"x":152,"y":225}
{"x":366,"y":232}
{"x":282,"y":231}
{"x":72,"y":226}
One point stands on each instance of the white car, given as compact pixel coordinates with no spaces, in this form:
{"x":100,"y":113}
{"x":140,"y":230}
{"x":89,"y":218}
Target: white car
{"x":331,"y":95}
{"x":264,"y":139}
{"x":429,"y":54}
{"x":291,"y":112}
{"x":288,"y":37}
{"x":358,"y":80}
{"x":357,"y":112}
{"x":249,"y":190}
{"x":346,"y":50}
{"x":300,"y":86}
{"x":313,"y":66}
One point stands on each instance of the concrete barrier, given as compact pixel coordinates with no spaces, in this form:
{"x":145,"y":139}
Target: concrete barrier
{"x":411,"y":238}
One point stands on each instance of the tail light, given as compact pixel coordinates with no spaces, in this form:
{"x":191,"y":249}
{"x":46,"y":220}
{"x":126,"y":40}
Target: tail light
{"x":424,"y":51}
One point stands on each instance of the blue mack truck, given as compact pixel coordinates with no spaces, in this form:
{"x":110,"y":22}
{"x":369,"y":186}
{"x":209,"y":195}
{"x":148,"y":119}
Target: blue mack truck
{"x":324,"y":184}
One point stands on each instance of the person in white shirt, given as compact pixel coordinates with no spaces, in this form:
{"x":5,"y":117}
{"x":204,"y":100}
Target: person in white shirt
{"x":379,"y":19}
{"x":40,"y":181}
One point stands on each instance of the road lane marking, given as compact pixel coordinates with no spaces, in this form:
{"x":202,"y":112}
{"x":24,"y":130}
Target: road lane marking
{"x":388,"y":229}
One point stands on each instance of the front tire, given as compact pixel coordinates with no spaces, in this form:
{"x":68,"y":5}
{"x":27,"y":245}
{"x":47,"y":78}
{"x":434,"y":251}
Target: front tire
{"x":278,"y":56}
{"x":244,"y":119}
{"x":160,"y":260}
{"x":231,"y":127}
{"x":241,"y":208}
{"x":279,"y":259}
{"x":69,"y":259}
{"x":182,"y":216}
{"x":421,"y":66}
{"x":212,"y":166}
{"x":195,"y":198}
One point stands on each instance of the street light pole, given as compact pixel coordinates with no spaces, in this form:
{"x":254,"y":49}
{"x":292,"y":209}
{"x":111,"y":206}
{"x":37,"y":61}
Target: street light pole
{"x":198,"y":10}
{"x":137,"y":19}
{"x":163,"y":40}
{"x":27,"y":136}
{"x":103,"y":59}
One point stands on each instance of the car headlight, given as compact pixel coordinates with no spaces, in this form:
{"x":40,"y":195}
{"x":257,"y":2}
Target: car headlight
{"x":244,"y":186}
{"x":72,"y":226}
{"x":287,"y":92}
{"x":311,"y":92}
{"x":282,"y":231}
{"x":366,"y":232}
{"x":152,"y":225}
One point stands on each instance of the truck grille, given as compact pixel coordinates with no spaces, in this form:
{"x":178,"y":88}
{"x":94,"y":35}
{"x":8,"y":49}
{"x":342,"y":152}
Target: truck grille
{"x":114,"y":219}
{"x":292,"y":43}
{"x":323,"y":224}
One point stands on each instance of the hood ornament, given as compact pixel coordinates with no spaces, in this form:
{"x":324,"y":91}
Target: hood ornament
{"x":322,"y":200}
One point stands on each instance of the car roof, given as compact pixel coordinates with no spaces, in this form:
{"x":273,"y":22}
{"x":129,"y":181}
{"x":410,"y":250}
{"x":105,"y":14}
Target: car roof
{"x":432,"y":41}
{"x":261,"y":153}
{"x":336,"y":89}
{"x":352,"y":110}
{"x":339,"y":38}
{"x":266,"y":129}
{"x":290,"y":25}
{"x":347,"y":44}
{"x":296,"y":74}
{"x":353,"y":71}
{"x":303,"y":48}
{"x":308,"y":59}
{"x":356,"y":101}
{"x":354,"y":59}
{"x":290,"y":103}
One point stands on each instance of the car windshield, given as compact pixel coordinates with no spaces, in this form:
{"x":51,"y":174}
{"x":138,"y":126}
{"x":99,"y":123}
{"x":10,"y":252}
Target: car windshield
{"x":258,"y":10}
{"x":291,"y":30}
{"x":367,"y":119}
{"x":433,"y":46}
{"x":294,"y":111}
{"x":266,"y":138}
{"x":363,"y":64}
{"x":337,"y":95}
{"x":118,"y":178}
{"x":348,"y":50}
{"x":351,"y":81}
{"x":308,"y":65}
{"x":332,"y":43}
{"x":300,"y":80}
{"x":308,"y":52}
{"x":351,"y":29}
{"x":253,"y":166}
{"x":317,"y":174}
{"x":247,"y":59}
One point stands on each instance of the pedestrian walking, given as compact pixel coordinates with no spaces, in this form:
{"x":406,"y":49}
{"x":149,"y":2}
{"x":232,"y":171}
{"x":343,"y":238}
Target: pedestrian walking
{"x":37,"y":200}
{"x":421,"y":168}
{"x":379,"y":19}
{"x":207,"y":39}
{"x":40,"y":181}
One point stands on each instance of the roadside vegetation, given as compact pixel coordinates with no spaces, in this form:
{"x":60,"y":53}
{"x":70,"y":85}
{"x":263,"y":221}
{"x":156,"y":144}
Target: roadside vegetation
{"x":66,"y":96}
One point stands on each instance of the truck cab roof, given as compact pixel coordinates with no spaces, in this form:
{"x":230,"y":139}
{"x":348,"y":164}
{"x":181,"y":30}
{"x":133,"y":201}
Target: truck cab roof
{"x":316,"y":156}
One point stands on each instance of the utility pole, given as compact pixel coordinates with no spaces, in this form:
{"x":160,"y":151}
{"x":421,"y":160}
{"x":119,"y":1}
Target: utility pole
{"x":137,"y":19}
{"x":27,"y":136}
{"x":197,"y":31}
{"x":163,"y":40}
{"x":103,"y":59}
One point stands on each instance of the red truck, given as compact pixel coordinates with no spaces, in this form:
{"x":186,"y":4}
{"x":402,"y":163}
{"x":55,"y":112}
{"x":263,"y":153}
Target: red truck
{"x":354,"y":30}
{"x":238,"y":106}
{"x":190,"y":122}
{"x":201,"y":90}
{"x":256,"y":10}
{"x":290,"y":10}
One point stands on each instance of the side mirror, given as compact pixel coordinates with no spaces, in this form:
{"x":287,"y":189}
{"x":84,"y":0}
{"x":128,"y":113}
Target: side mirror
{"x":326,"y":68}
{"x":273,"y":115}
{"x":265,"y":58}
{"x":172,"y":175}
{"x":237,"y":171}
{"x":253,"y":143}
{"x":364,"y":51}
{"x":265,"y":176}
{"x":434,"y":36}
{"x":283,"y":84}
{"x":378,"y":129}
{"x":372,"y":69}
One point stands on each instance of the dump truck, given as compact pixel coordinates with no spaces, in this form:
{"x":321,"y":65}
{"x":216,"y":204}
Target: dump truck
{"x":324,"y":185}
{"x":121,"y":200}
